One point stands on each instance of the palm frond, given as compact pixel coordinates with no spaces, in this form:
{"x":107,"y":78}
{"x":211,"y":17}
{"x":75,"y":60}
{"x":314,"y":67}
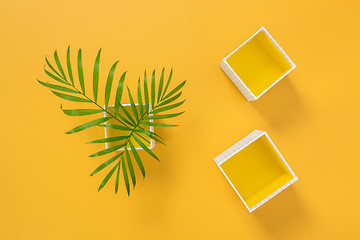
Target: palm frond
{"x":132,"y":124}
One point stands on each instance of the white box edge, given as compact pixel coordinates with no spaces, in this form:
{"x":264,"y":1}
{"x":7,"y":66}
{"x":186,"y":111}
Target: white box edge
{"x":240,"y":145}
{"x":249,"y":95}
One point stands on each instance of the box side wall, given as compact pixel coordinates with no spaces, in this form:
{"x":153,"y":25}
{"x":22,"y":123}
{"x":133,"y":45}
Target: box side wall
{"x":228,"y":153}
{"x":294,"y":179}
{"x":237,"y":81}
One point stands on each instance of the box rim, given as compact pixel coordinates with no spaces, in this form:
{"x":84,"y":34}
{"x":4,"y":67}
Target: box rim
{"x":292,"y":64}
{"x":258,"y":134}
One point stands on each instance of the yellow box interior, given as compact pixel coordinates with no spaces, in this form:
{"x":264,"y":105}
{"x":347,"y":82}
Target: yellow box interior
{"x":257,"y":171}
{"x":114,"y":132}
{"x":259,"y":63}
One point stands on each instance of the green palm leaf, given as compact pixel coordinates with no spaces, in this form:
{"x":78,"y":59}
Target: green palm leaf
{"x":137,"y":158}
{"x":110,"y":139}
{"x":108,"y":176}
{"x":153,"y":89}
{"x":55,"y":77}
{"x":145,"y":147}
{"x":70,"y":97}
{"x":163,"y":109}
{"x":52,"y":68}
{"x":109,"y":84}
{"x":130,"y":166}
{"x":151,"y":135}
{"x":130,"y":124}
{"x":119,"y":92}
{"x":115,"y":126}
{"x":96,"y":75}
{"x":170,"y":100}
{"x":158,"y":124}
{"x":68,"y":64}
{"x":175,"y":90}
{"x":167,"y":84}
{"x":161,"y":85}
{"x":80,"y":71}
{"x":105,"y":164}
{"x":133,"y":107}
{"x":125,"y":175}
{"x":87,"y":125}
{"x":146,"y":94}
{"x":57,"y":87}
{"x":139,"y":135}
{"x":56,"y":57}
{"x":140,"y":99}
{"x":117,"y":179}
{"x":80,"y":112}
{"x":125,"y":120}
{"x":128,"y":114}
{"x":164,"y":116}
{"x":108,"y":150}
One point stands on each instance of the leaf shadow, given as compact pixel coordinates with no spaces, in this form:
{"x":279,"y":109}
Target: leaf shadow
{"x":283,"y":215}
{"x":281,"y":106}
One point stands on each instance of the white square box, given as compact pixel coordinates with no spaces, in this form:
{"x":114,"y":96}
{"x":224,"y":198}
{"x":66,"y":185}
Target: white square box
{"x":255,"y":169}
{"x":152,"y":142}
{"x":257,"y":65}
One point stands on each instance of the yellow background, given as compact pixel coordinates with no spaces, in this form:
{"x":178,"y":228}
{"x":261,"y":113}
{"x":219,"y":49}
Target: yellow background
{"x":312,"y":116}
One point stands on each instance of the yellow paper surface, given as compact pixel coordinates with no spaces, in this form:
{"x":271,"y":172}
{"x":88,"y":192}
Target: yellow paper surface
{"x":312,"y":115}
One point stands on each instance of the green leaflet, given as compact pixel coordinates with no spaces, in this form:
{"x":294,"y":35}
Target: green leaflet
{"x":56,"y":57}
{"x":133,"y":107}
{"x":109,"y":84}
{"x":145,"y":147}
{"x":140,"y":98}
{"x":87,"y":125}
{"x":146,"y":94}
{"x":175,"y":90}
{"x":170,"y":100}
{"x":158,"y":124}
{"x":164,"y":116}
{"x":108,"y":176}
{"x":167,"y":84}
{"x":80,"y":71}
{"x":117,"y":127}
{"x":151,"y":135}
{"x":105,"y":164}
{"x":161,"y":85}
{"x":68,"y":64}
{"x":153,"y":89}
{"x":130,"y":166}
{"x":96,"y":75}
{"x":70,"y":97}
{"x":110,"y":139}
{"x":57,"y":87}
{"x":81,"y":112}
{"x":117,"y":179}
{"x":126,"y":178}
{"x":52,"y":68}
{"x":119,"y":92}
{"x":127,"y":114}
{"x":108,"y":150}
{"x":138,"y":134}
{"x":168,"y":107}
{"x":55,"y":77}
{"x":137,"y":158}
